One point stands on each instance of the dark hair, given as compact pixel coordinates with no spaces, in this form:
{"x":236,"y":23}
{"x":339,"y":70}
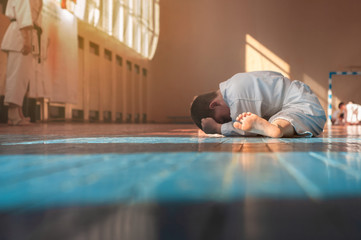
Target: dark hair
{"x":200,"y":107}
{"x":340,"y":105}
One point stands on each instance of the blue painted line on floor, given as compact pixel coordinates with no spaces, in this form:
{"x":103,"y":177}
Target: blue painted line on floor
{"x":328,"y":176}
{"x":179,"y":140}
{"x":104,"y":140}
{"x":329,"y":161}
{"x":309,"y":187}
{"x":42,"y":181}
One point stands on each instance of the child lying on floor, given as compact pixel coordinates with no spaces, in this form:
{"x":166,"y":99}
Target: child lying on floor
{"x":259,"y":103}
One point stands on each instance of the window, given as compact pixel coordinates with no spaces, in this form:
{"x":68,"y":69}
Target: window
{"x":133,"y":22}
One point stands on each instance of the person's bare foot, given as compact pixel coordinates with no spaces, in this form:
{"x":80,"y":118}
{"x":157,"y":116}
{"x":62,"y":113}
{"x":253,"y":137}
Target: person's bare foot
{"x":252,"y":123}
{"x":19,"y":122}
{"x":24,"y":119}
{"x":14,"y":117}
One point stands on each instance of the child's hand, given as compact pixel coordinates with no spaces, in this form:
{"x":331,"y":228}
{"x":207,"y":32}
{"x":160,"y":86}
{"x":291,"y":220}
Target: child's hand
{"x":210,"y":126}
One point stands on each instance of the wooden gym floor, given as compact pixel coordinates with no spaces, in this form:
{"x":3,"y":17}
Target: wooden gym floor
{"x":150,"y":181}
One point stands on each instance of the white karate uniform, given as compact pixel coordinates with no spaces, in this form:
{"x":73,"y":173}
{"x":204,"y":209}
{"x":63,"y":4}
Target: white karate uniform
{"x":272,"y":96}
{"x":23,"y":13}
{"x":353,"y":113}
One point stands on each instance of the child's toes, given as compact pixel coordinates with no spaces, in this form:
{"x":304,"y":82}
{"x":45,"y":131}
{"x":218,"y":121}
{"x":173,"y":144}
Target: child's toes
{"x":237,"y":125}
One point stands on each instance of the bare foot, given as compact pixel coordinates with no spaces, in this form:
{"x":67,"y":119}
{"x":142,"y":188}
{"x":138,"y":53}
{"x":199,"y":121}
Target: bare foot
{"x":252,"y":123}
{"x":19,"y":122}
{"x":24,"y":119}
{"x":14,"y":117}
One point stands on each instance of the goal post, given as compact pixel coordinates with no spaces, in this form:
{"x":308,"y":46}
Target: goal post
{"x":329,"y":111}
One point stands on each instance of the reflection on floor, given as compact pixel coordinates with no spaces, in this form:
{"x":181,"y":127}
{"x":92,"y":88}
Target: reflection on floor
{"x":108,"y":181}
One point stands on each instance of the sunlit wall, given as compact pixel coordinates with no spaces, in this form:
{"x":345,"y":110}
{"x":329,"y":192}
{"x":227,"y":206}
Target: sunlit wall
{"x":133,"y":22}
{"x":258,"y":57}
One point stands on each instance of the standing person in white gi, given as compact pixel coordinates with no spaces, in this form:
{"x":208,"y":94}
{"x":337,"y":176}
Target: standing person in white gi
{"x":18,"y":43}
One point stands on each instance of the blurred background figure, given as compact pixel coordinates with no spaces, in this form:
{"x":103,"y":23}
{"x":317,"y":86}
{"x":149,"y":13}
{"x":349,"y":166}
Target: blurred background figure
{"x":19,"y":42}
{"x":353,"y":113}
{"x":338,"y":117}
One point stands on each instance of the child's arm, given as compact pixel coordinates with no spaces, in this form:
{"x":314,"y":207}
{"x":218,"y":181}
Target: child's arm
{"x":210,"y":126}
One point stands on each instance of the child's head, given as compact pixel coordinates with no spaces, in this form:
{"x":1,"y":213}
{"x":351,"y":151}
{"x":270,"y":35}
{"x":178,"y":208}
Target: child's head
{"x":341,"y":105}
{"x":210,"y":105}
